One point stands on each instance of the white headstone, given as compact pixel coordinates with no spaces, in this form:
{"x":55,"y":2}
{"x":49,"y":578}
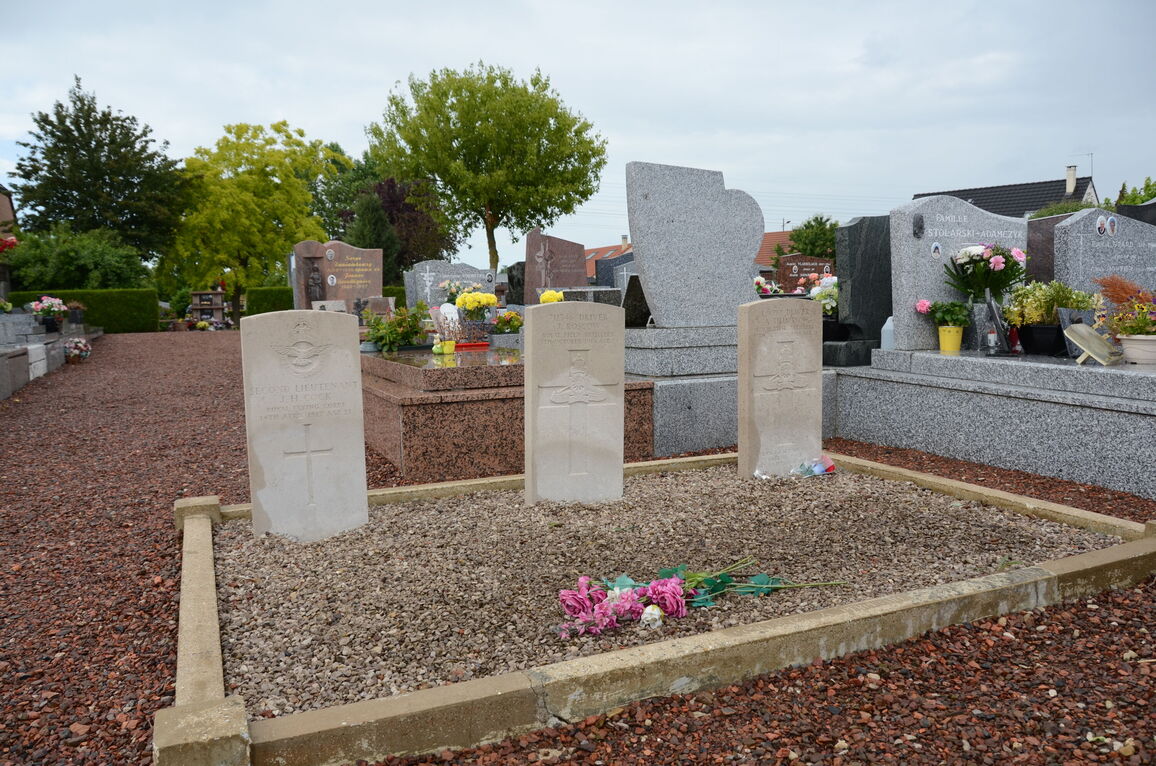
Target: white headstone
{"x":574,"y":357}
{"x":780,"y":385}
{"x":303,"y":423}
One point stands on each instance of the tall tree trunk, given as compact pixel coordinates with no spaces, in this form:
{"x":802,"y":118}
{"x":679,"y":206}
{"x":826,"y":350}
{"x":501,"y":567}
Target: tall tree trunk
{"x":236,"y":305}
{"x":490,"y":221}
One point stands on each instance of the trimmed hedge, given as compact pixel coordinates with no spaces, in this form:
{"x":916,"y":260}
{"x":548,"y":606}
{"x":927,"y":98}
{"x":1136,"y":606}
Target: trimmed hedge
{"x":114,"y":310}
{"x":397,"y":292}
{"x":262,"y":300}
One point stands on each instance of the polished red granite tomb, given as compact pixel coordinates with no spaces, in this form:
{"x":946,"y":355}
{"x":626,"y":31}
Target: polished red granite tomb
{"x":460,"y":416}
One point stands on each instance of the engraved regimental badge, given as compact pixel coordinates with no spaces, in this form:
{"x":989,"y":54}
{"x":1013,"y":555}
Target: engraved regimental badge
{"x":302,"y":356}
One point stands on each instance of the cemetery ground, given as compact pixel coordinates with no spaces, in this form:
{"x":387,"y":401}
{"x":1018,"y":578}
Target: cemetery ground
{"x":95,"y":454}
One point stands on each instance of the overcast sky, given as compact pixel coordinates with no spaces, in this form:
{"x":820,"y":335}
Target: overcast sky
{"x":842,"y":108}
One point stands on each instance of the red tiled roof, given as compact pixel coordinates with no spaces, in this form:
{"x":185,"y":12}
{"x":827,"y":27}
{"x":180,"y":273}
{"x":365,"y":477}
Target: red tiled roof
{"x":595,"y":254}
{"x":767,"y":249}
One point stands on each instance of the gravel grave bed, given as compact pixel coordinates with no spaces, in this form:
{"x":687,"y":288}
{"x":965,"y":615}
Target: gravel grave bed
{"x":438,"y":591}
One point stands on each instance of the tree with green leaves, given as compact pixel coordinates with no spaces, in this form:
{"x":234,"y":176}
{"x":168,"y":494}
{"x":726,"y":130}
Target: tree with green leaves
{"x":335,"y":192}
{"x":815,"y":237}
{"x":1135,"y":195}
{"x":61,"y":259}
{"x":94,"y":168}
{"x":372,"y":229}
{"x":252,"y":204}
{"x":495,"y":151}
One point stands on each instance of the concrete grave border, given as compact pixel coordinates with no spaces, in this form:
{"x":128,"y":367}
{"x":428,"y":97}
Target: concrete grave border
{"x":205,"y":726}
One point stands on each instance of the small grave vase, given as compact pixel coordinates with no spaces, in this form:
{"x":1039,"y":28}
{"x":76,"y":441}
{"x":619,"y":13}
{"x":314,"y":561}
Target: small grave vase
{"x":950,"y":339}
{"x":1138,"y":349}
{"x":1042,"y":339}
{"x":51,"y":324}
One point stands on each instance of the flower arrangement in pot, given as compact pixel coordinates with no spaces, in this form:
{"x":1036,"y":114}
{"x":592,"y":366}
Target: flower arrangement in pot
{"x":764,"y":286}
{"x":551,"y":296}
{"x":475,"y":310}
{"x":50,"y":310}
{"x":76,"y":350}
{"x":950,"y":317}
{"x":401,"y":329}
{"x":507,"y":323}
{"x":978,"y":268}
{"x":823,"y":288}
{"x":1132,"y":318}
{"x":1033,"y":308}
{"x":455,"y":289}
{"x":76,"y":311}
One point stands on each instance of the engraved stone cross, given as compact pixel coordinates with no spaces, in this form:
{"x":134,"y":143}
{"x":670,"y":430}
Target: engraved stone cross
{"x":308,"y":454}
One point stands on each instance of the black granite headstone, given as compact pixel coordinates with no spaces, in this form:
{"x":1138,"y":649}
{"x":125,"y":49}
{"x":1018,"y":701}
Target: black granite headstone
{"x":1042,"y":247}
{"x":863,"y":255}
{"x":634,"y":301}
{"x":516,"y":275}
{"x":604,"y":269}
{"x":1145,"y":211}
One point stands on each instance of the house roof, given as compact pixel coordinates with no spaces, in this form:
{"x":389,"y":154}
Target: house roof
{"x":595,"y":254}
{"x":767,"y":248}
{"x":1018,"y":200}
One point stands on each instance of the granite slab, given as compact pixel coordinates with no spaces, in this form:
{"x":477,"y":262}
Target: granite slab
{"x":426,"y":371}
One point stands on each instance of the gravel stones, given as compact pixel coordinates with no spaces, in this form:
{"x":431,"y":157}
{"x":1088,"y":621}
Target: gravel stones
{"x":445,"y":590}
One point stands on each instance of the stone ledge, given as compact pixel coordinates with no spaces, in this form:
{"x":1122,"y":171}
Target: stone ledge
{"x":187,"y":507}
{"x":459,"y":715}
{"x":214,"y":733}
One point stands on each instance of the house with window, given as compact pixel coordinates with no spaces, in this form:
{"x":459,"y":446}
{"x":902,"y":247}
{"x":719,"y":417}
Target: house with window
{"x":1021,"y":200}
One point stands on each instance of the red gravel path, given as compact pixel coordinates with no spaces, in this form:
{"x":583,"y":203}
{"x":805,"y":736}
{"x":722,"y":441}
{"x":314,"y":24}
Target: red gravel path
{"x":92,"y":457}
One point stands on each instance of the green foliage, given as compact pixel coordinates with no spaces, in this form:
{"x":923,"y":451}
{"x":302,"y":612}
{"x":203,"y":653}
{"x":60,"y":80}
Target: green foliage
{"x":62,"y":259}
{"x":372,"y":229}
{"x":815,"y":237}
{"x":1036,"y":303}
{"x":261,"y":300}
{"x":333,"y":192}
{"x":496,"y":151}
{"x":1059,"y":208}
{"x":114,"y":310}
{"x":98,"y":169}
{"x":395,"y":291}
{"x":179,"y":302}
{"x":401,"y":329}
{"x":252,"y":204}
{"x":950,"y":314}
{"x":1136,"y":195}
{"x":971,"y":272}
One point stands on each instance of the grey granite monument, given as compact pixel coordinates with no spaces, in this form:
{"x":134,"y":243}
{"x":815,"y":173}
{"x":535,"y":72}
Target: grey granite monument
{"x":685,"y":225}
{"x":1095,"y":243}
{"x":421,"y":282}
{"x":925,"y":233}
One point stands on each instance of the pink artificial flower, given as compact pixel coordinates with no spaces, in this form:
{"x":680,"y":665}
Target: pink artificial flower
{"x":997,"y":263}
{"x":667,"y":595}
{"x":604,"y":618}
{"x":574,"y":604}
{"x":1019,"y":255}
{"x":923,"y":306}
{"x":802,"y":280}
{"x":987,"y":253}
{"x":628,"y":604}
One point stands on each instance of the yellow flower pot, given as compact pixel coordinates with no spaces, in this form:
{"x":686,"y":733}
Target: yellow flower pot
{"x":950,"y":339}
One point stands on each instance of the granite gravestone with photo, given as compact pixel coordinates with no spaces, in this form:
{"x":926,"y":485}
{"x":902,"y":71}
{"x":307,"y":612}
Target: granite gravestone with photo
{"x":334,"y":271}
{"x":574,"y":402}
{"x":779,"y":386}
{"x":303,"y":423}
{"x":684,"y":222}
{"x":926,"y":233}
{"x":1094,"y":243}
{"x":421,"y":282}
{"x":792,"y":268}
{"x":552,"y":263}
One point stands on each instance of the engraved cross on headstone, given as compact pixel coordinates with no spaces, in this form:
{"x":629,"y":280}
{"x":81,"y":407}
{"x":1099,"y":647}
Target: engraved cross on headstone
{"x":580,"y":389}
{"x":427,"y":279}
{"x":308,"y":454}
{"x":785,"y":371}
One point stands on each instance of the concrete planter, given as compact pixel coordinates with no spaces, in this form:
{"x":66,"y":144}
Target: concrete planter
{"x":506,"y":340}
